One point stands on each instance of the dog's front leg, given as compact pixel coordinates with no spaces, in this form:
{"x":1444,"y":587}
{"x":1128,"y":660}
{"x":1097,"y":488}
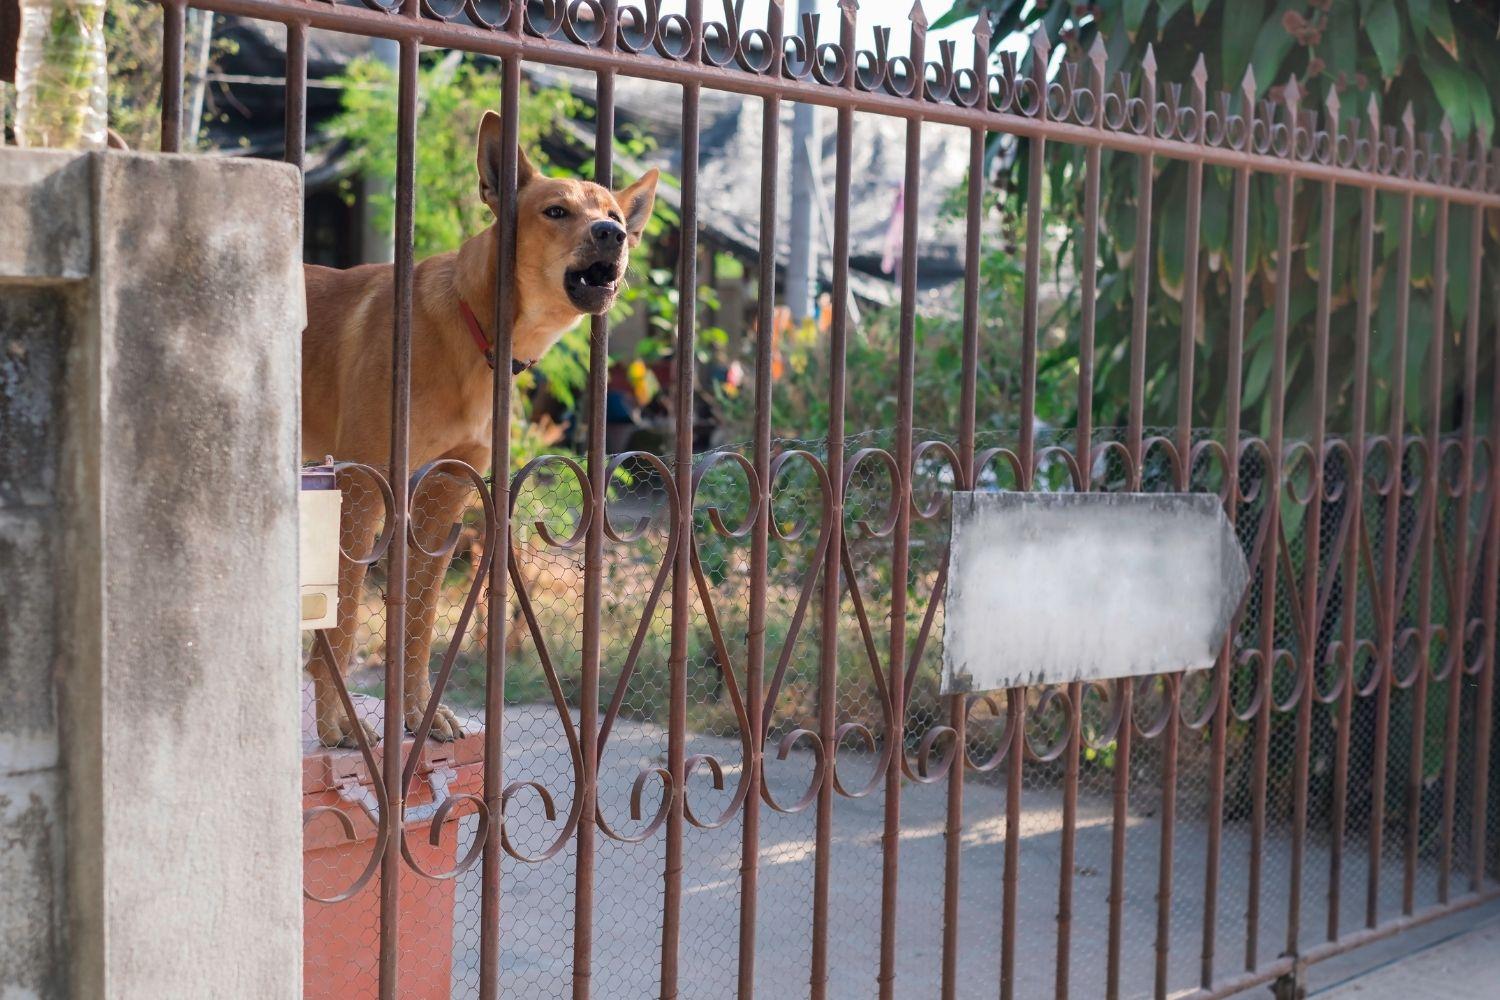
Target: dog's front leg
{"x":435,"y":509}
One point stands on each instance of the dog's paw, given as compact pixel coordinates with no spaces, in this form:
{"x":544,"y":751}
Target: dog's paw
{"x":336,"y":732}
{"x":445,"y":725}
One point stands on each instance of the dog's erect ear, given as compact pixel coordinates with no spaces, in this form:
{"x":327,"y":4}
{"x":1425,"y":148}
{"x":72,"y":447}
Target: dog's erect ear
{"x":637,"y":200}
{"x":488,"y":158}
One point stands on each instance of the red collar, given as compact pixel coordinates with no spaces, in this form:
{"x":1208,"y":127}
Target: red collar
{"x":483,"y":343}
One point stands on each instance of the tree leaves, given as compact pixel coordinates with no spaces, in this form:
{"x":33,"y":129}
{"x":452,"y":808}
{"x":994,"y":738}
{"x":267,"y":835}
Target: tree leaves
{"x":1242,"y":25}
{"x":1451,"y":85}
{"x":1383,"y":27}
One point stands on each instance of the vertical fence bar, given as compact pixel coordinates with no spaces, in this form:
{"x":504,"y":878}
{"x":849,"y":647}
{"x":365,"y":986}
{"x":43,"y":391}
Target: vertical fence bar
{"x":1390,"y":563}
{"x":1225,"y":667}
{"x":1458,"y":581}
{"x":1186,"y":346}
{"x":900,"y":557}
{"x":1428,"y":540}
{"x":828,"y":653}
{"x":1429,"y":535}
{"x":1354,"y":491}
{"x":1125,"y":689}
{"x":1459,"y":590}
{"x":957,"y":704}
{"x":1271,"y":551}
{"x":294,"y":141}
{"x":1083,"y":456}
{"x":593,"y":563}
{"x":173,"y":20}
{"x":395,"y":622}
{"x":1015,"y":760}
{"x":1307,"y":666}
{"x":498,"y":616}
{"x":1491,"y":533}
{"x":682,"y":570}
{"x":770,"y":134}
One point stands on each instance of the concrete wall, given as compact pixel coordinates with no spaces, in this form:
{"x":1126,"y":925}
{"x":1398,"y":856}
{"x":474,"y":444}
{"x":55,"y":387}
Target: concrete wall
{"x":150,"y":312}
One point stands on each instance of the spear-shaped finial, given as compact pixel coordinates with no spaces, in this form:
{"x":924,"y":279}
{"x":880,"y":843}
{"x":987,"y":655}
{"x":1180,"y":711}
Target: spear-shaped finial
{"x":1292,"y":92}
{"x":849,"y":7}
{"x":1372,"y":111}
{"x":1331,"y":103}
{"x":1200,"y":75}
{"x":918,"y":16}
{"x":1409,"y":120}
{"x":984,"y":28}
{"x":1041,"y":48}
{"x":1148,"y":63}
{"x":1098,"y":54}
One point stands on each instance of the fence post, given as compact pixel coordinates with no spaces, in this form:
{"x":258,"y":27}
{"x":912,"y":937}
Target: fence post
{"x":154,"y":305}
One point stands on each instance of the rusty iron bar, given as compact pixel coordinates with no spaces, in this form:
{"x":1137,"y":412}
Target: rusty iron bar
{"x":1172,"y":684}
{"x":173,"y":21}
{"x":395,"y":660}
{"x":1459,"y":592}
{"x":1355,"y":499}
{"x":1026,"y":455}
{"x":1083,"y":460}
{"x":1124,"y":690}
{"x":1308,"y":663}
{"x":1491,"y":584}
{"x":682,"y":571}
{"x":498,"y":598}
{"x":828,"y":652}
{"x":294,"y":142}
{"x":1389,"y":597}
{"x":1427,"y":543}
{"x":957,"y":705}
{"x":900,"y":556}
{"x":1272,"y":479}
{"x":755,"y":652}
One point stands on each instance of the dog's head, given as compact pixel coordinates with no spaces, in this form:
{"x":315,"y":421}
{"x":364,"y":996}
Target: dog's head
{"x":573,"y":238}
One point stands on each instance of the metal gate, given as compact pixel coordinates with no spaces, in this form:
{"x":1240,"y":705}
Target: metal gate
{"x":710,"y":758}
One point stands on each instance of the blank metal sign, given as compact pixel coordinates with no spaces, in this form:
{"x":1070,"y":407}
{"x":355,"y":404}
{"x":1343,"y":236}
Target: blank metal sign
{"x":1056,"y":587}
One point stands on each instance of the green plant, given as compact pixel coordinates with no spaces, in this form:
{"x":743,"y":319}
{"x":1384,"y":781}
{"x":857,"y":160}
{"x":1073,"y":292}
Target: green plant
{"x":1440,"y":58}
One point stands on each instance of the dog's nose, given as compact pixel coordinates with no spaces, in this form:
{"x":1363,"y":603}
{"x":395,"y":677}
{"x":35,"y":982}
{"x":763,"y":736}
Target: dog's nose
{"x":608,"y":232}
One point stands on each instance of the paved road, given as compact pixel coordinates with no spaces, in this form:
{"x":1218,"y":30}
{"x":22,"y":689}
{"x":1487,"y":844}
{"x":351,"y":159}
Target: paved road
{"x":1463,"y":967}
{"x":537,"y":899}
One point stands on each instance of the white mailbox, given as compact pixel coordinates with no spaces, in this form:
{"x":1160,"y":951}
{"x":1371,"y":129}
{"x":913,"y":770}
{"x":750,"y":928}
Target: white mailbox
{"x":319,"y":515}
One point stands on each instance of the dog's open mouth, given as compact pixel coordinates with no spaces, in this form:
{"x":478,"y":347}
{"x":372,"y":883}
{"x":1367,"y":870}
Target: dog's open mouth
{"x":592,"y":288}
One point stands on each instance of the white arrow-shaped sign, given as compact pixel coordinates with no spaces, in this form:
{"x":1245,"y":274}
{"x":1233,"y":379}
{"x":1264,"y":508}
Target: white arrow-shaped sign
{"x":1056,"y":587}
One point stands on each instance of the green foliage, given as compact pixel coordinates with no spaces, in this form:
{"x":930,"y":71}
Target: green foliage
{"x":1440,"y":58}
{"x":454,"y":94}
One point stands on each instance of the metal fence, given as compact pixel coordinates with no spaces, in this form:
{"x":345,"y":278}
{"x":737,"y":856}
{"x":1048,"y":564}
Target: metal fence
{"x":714,"y":760}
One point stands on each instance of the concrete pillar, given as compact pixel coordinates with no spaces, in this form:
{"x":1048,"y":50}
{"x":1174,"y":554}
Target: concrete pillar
{"x":150,"y":317}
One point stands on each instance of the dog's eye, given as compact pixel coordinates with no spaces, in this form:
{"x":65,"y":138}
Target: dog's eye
{"x":555,"y":212}
{"x":616,"y":217}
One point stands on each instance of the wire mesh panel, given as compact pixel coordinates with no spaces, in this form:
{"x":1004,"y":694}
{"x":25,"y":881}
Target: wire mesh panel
{"x":669,"y":722}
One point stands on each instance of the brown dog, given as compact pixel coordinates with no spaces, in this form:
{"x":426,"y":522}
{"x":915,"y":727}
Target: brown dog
{"x":572,"y":243}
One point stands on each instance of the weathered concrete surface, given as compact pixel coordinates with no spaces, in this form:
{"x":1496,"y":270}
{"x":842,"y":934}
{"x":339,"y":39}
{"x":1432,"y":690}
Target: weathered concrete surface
{"x":148,"y":540}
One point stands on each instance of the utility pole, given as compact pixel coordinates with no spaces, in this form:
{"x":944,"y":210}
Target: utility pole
{"x":802,"y":260}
